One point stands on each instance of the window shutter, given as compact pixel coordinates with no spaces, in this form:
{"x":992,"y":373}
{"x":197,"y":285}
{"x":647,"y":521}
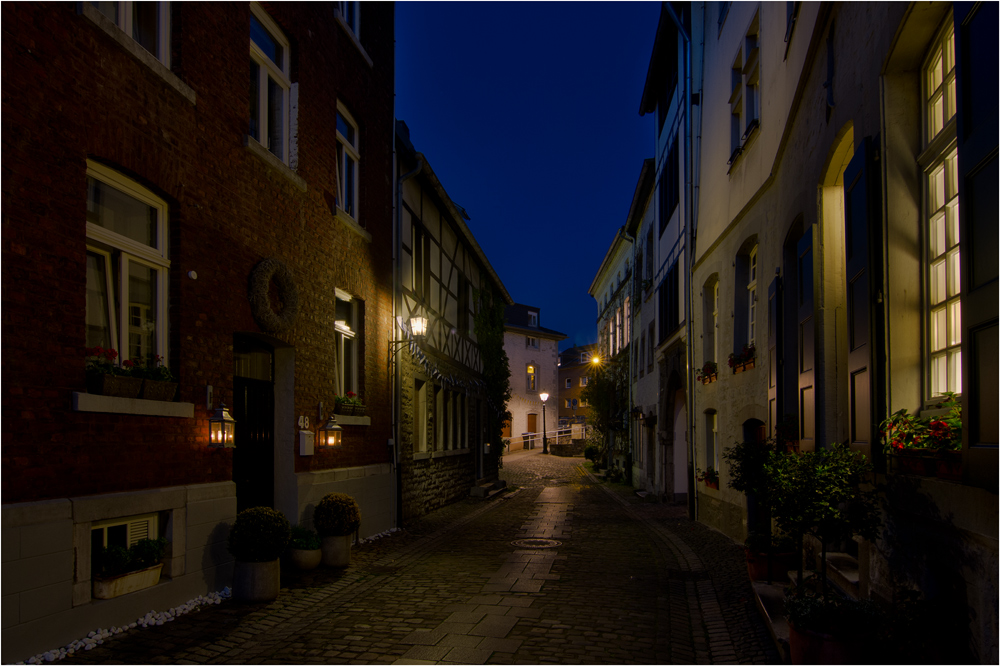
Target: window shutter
{"x":975,"y":66}
{"x":773,"y":351}
{"x":807,"y":344}
{"x":862,"y":240}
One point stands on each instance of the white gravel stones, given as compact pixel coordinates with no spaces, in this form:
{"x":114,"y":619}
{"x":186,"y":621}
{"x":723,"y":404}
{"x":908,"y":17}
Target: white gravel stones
{"x":375,"y":537}
{"x":152,"y":618}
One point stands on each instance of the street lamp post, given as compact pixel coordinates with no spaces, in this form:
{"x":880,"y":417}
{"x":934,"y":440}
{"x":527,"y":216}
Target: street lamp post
{"x":545,"y":438}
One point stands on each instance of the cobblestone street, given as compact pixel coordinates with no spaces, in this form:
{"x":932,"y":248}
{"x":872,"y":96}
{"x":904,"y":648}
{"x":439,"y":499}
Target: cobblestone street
{"x":599,"y":577}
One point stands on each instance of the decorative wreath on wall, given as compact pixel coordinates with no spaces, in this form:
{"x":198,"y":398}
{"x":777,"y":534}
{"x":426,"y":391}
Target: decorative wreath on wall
{"x":260,"y":299}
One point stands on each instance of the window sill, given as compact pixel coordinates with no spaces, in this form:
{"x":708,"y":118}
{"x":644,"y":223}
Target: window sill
{"x":352,"y":225}
{"x":144,"y":56}
{"x":354,"y":39}
{"x":88,"y":402}
{"x":425,"y":455}
{"x":354,"y":420}
{"x":263,"y":153}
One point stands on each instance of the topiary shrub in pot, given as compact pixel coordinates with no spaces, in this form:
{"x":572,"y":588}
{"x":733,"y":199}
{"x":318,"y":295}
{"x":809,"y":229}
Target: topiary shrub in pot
{"x":304,"y":549}
{"x":257,"y":538}
{"x":336,"y":518}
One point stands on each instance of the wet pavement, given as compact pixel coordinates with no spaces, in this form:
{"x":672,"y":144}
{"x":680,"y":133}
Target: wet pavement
{"x":562,"y":568}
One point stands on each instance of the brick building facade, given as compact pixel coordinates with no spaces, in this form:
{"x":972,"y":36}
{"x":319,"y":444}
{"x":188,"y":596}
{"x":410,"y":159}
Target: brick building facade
{"x":162,"y":153}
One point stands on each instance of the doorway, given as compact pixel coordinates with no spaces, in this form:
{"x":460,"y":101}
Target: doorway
{"x":253,"y":409}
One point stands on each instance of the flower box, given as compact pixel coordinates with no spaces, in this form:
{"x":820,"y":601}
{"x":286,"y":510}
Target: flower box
{"x":343,"y":409}
{"x":157,"y":390}
{"x":115,"y":586}
{"x":116,"y":386}
{"x":359,"y":410}
{"x":924,"y":462}
{"x":714,"y":485}
{"x":708,"y":379}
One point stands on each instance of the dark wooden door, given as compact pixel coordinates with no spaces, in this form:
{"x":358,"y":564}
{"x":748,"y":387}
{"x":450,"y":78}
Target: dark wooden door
{"x":253,"y":409}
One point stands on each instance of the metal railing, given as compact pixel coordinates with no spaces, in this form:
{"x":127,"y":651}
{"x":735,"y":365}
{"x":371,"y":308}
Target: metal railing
{"x":533,"y":440}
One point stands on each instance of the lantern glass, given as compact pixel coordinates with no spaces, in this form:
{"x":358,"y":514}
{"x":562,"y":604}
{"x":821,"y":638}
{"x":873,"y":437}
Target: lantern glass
{"x":330,"y":433}
{"x":418,"y":326}
{"x":221,"y":428}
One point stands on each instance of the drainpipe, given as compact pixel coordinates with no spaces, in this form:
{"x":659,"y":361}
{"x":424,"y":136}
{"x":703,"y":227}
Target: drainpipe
{"x":397,"y":233}
{"x":688,"y":262}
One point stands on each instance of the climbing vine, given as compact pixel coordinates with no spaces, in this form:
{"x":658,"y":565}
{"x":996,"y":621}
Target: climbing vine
{"x":489,"y":328}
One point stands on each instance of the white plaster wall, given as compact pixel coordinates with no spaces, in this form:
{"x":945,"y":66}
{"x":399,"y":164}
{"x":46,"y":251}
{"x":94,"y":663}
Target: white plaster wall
{"x":522,"y":403}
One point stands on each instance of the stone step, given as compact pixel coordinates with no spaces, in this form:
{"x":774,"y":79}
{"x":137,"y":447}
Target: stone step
{"x":842,"y":571}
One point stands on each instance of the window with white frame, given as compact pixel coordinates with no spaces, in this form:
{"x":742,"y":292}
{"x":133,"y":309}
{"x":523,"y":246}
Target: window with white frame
{"x":744,"y":98}
{"x":715,"y":323}
{"x":943,"y":303}
{"x":568,"y":403}
{"x":348,"y":159}
{"x":531,"y":342}
{"x":530,"y":372}
{"x":345,"y":336}
{"x":533,"y":319}
{"x":122,"y":532}
{"x":569,"y":383}
{"x":148,"y":23}
{"x":583,"y":380}
{"x":270,"y":85}
{"x":127,"y":266}
{"x":350,"y":12}
{"x":752,"y":298}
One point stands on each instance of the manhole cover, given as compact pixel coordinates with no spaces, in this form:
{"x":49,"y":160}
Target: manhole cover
{"x":536,"y":543}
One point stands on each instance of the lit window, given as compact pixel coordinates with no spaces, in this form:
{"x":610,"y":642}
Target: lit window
{"x":584,"y":380}
{"x":348,"y":157}
{"x":148,"y":23}
{"x":269,"y":84}
{"x":127,"y":267}
{"x":345,"y":336}
{"x":531,"y":377}
{"x":943,"y":294}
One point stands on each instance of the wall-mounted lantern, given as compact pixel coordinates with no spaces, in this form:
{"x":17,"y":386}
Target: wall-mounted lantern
{"x":330,"y":433}
{"x":418,"y":326}
{"x":221,"y":428}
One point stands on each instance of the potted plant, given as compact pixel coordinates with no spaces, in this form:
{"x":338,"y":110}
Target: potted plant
{"x":257,"y":538}
{"x":348,"y":405}
{"x":106,"y":377}
{"x":304,"y":548}
{"x":336,"y":518}
{"x":930,"y":445}
{"x":708,"y":373}
{"x":122,"y":570}
{"x":157,"y":380}
{"x":744,"y":360}
{"x":824,"y":493}
{"x":710,"y":477}
{"x":830,"y":629}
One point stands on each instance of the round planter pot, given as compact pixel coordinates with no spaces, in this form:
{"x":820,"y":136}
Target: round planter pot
{"x":812,"y":647}
{"x":305,"y":559}
{"x":256,"y":581}
{"x":337,"y":551}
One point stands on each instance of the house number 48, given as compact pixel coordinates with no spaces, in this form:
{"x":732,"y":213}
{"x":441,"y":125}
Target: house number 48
{"x":304,"y":422}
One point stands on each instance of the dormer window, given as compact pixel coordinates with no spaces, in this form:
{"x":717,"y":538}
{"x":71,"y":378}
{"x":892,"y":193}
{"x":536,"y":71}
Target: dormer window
{"x":533,"y":319}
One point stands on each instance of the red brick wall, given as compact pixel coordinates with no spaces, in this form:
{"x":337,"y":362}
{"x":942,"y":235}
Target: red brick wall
{"x":71,"y":92}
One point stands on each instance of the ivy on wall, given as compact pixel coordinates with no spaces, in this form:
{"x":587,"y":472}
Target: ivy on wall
{"x":488,"y":322}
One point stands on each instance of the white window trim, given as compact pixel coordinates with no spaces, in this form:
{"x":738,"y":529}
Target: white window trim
{"x":130,"y":250}
{"x":124,"y":24}
{"x":280,"y":74}
{"x":347,"y":330}
{"x":715,"y":322}
{"x":354,"y":150}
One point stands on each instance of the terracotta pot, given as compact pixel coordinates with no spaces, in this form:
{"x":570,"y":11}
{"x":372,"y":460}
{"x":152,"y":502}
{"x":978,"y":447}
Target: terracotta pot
{"x":305,"y":559}
{"x":256,"y":581}
{"x":813,"y":647}
{"x":157,"y":390}
{"x":115,"y":586}
{"x":714,"y":485}
{"x":337,"y":551}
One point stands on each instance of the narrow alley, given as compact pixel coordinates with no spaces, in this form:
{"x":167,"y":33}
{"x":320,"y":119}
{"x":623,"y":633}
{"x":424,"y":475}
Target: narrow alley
{"x":562,"y":568}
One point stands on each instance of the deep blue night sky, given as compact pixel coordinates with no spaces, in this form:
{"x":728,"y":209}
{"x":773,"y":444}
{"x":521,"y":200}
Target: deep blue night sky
{"x":529,"y":114}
